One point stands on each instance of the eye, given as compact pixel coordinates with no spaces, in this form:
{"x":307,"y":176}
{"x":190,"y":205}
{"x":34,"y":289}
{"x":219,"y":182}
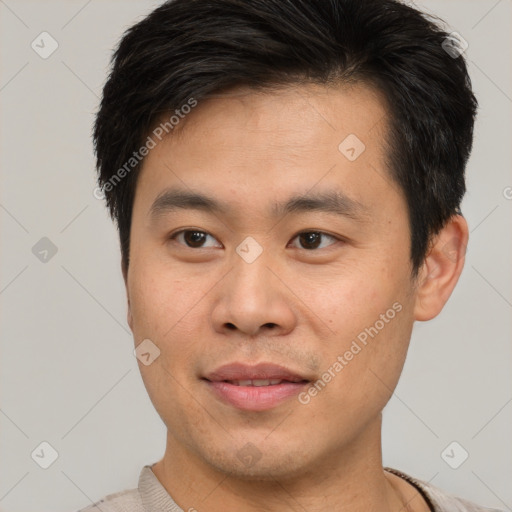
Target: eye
{"x":193,"y":238}
{"x":312,"y":239}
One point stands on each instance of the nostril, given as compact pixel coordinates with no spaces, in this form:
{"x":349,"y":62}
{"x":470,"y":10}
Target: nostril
{"x":232,"y":327}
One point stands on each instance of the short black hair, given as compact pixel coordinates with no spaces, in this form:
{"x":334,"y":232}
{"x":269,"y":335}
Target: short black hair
{"x":194,"y":48}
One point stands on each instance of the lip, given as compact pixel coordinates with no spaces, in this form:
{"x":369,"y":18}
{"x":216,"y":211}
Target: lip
{"x":240,"y":371}
{"x":254,"y":398}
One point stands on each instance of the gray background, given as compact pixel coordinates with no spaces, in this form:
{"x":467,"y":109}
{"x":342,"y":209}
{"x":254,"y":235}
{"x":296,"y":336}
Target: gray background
{"x":68,"y":374}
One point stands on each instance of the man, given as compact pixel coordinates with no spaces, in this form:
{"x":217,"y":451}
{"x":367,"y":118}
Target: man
{"x":286,"y":177}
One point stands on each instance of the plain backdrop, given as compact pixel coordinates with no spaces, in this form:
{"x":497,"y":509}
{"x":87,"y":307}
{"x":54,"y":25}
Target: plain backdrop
{"x":67,"y":371}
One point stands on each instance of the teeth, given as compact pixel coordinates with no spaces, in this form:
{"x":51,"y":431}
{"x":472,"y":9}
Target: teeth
{"x":266,"y":382}
{"x":256,"y":382}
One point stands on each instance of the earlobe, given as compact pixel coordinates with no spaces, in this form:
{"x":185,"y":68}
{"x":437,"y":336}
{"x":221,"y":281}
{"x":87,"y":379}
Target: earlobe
{"x":441,"y":269}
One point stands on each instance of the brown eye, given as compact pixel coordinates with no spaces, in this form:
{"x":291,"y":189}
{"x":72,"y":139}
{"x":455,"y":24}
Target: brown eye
{"x":311,"y":240}
{"x":192,"y":238}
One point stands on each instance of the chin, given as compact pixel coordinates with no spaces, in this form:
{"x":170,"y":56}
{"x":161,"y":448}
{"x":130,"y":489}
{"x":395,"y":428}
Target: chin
{"x":251,"y":465}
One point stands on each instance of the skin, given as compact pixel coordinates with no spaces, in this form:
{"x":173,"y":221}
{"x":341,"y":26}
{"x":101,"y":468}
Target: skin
{"x":295,"y":306}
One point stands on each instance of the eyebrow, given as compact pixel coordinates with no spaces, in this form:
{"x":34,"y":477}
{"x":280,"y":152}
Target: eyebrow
{"x":332,"y":201}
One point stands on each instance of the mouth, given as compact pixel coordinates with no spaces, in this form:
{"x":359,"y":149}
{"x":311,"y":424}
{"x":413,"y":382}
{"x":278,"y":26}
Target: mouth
{"x":254,"y":388}
{"x":261,"y":382}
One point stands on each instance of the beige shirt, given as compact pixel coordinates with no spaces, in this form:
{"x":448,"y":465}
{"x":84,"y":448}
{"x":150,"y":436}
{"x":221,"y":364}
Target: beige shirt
{"x":151,"y":496}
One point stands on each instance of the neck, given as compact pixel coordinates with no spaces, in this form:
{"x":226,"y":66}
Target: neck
{"x":349,"y":479}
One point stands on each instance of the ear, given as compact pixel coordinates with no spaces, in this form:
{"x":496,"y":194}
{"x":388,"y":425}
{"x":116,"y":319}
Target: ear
{"x":129,"y":318}
{"x":441,"y":269}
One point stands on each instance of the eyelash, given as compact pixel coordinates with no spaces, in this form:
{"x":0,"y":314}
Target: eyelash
{"x":336,"y":239}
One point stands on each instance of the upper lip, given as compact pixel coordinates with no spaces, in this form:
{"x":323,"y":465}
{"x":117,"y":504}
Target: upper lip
{"x":262,"y":371}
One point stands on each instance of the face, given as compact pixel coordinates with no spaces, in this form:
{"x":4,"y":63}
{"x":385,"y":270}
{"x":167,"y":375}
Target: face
{"x":299,"y":278}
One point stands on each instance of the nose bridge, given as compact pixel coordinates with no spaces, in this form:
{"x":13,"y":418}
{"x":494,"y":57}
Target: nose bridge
{"x":250,"y":267}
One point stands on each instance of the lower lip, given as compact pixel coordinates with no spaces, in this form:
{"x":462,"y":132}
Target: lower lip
{"x":255,"y":398}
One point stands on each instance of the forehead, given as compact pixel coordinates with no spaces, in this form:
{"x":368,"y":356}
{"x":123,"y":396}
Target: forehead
{"x":247,"y":145}
{"x":290,"y":115}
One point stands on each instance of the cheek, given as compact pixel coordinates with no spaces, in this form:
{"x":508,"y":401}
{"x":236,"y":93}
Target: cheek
{"x":160,"y":299}
{"x":167,"y":309}
{"x":163,"y":305}
{"x":370,"y":320}
{"x":350,"y":302}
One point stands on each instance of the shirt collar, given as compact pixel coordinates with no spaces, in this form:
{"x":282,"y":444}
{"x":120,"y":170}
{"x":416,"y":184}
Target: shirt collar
{"x":153,"y":494}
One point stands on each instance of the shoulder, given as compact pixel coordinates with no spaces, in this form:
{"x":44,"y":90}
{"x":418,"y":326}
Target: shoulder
{"x":439,"y":500}
{"x":450,"y":503}
{"x":123,"y":501}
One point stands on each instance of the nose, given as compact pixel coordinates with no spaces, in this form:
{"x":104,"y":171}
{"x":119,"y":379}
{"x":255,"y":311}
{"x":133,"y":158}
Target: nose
{"x":254,"y":299}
